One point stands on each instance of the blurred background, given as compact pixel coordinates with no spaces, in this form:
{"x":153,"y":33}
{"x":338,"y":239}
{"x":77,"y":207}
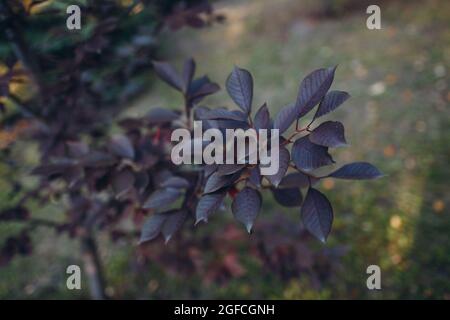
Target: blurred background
{"x":397,"y":118}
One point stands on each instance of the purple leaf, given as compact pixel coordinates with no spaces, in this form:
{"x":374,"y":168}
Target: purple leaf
{"x":152,"y":227}
{"x":317,"y":214}
{"x":162,"y":198}
{"x":222,"y":113}
{"x":16,"y":213}
{"x":284,"y":159}
{"x":255,"y":176}
{"x":226,"y":169}
{"x":285,"y":117}
{"x":207,"y":205}
{"x":98,"y":159}
{"x":216,"y":181}
{"x":209,"y":169}
{"x":297,"y":180}
{"x":168,"y":74}
{"x":357,"y":171}
{"x":188,"y":74}
{"x":240,"y":88}
{"x":246,"y":206}
{"x":290,"y":197}
{"x":123,"y":182}
{"x":161,"y":115}
{"x":175,"y":182}
{"x":262,"y":118}
{"x":309,"y":156}
{"x":201,"y":88}
{"x":173,"y":223}
{"x":329,"y":134}
{"x":77,"y":149}
{"x":121,"y":146}
{"x":312,"y":89}
{"x":331,"y":101}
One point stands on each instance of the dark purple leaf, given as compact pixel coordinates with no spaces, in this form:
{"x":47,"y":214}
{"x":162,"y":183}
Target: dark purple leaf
{"x":188,"y":74}
{"x":77,"y":149}
{"x":201,"y":88}
{"x":262,"y":118}
{"x":285,"y":118}
{"x":222,"y":113}
{"x":123,"y":182}
{"x":121,"y":146}
{"x":98,"y":159}
{"x":17,"y":213}
{"x":216,"y":181}
{"x":167,"y":73}
{"x":173,"y":223}
{"x":297,"y":180}
{"x":329,"y":134}
{"x":331,"y":101}
{"x":246,"y":206}
{"x":209,"y":169}
{"x":207,"y":205}
{"x":141,"y":181}
{"x":240,"y":88}
{"x":255,"y":176}
{"x":290,"y":197}
{"x":232,"y":124}
{"x":226,"y":169}
{"x":309,"y":156}
{"x":317,"y":214}
{"x":175,"y":182}
{"x":161,"y":115}
{"x":284,"y":160}
{"x":162,"y":198}
{"x":312,"y":89}
{"x":48,"y":170}
{"x":152,"y":227}
{"x":357,"y":171}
